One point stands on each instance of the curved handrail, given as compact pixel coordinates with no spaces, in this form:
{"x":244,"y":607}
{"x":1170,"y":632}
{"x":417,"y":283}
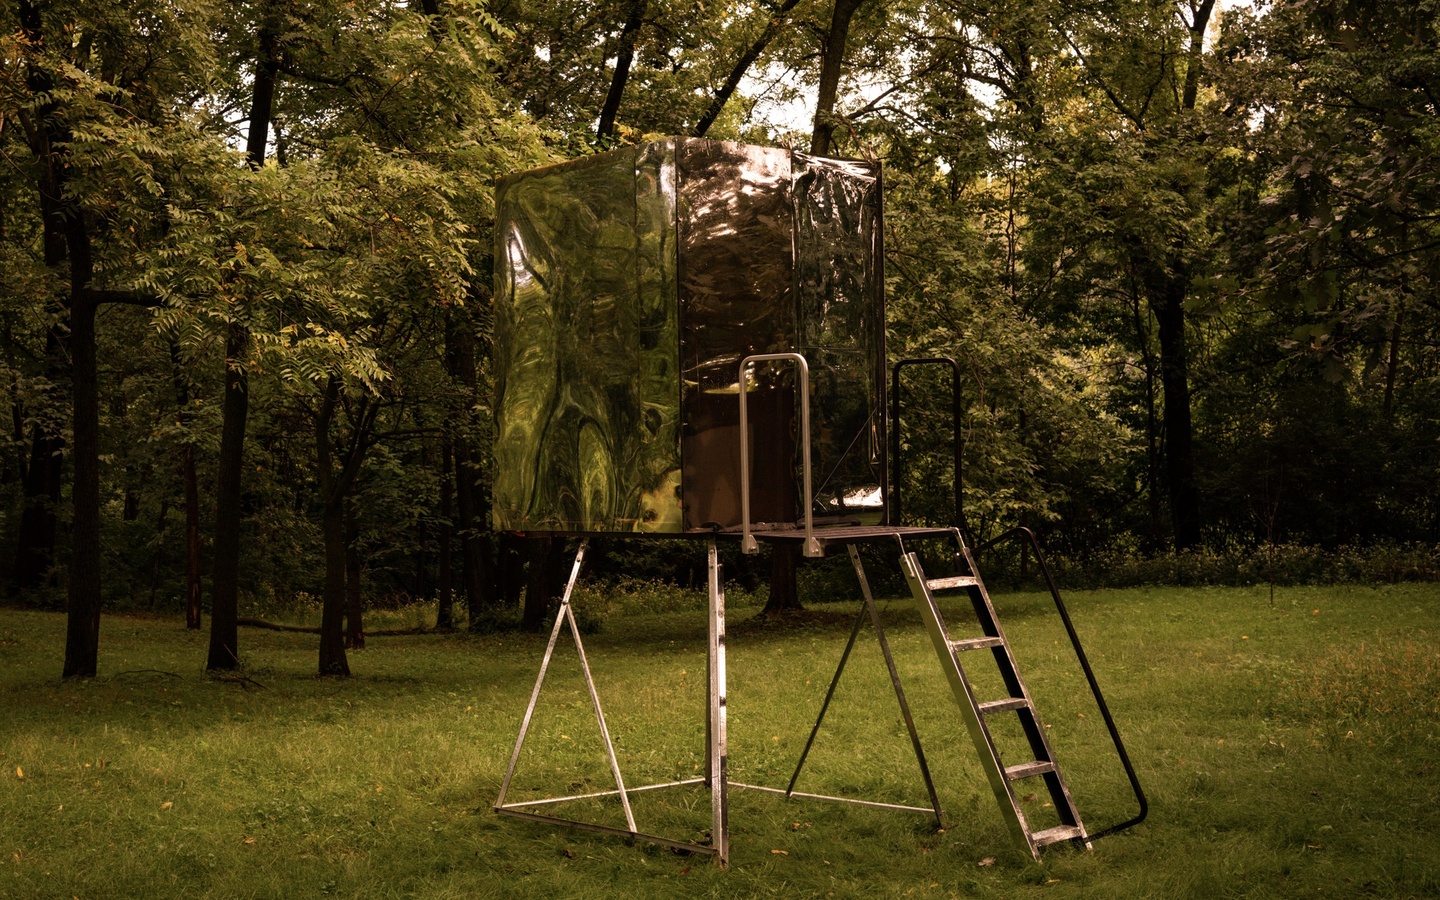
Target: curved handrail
{"x":897,"y":516}
{"x":1022,"y":532}
{"x":811,"y":546}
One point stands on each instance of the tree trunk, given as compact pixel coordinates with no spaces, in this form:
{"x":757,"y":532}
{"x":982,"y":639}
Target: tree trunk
{"x":477,"y":570}
{"x":1196,"y":55}
{"x":193,"y":562}
{"x":354,"y":625}
{"x":82,"y":633}
{"x":541,"y":584}
{"x":35,"y":549}
{"x":159,"y":551}
{"x":623,"y":57}
{"x":225,"y":574}
{"x":512,"y":569}
{"x":225,"y":587}
{"x":38,"y":524}
{"x":332,"y":603}
{"x":822,"y":141}
{"x":445,"y":586}
{"x":1167,"y":299}
{"x":193,"y":549}
{"x":742,"y":65}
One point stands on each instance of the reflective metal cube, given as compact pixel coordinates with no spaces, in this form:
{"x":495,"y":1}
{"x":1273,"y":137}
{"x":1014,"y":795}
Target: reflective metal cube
{"x":628,"y":287}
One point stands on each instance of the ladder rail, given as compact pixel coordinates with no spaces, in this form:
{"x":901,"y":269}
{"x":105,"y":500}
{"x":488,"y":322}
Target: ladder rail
{"x":1002,"y":776}
{"x":1025,"y":534}
{"x":960,"y":686}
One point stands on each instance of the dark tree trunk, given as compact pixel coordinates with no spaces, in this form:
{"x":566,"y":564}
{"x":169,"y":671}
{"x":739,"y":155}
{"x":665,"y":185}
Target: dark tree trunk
{"x":193,"y":550}
{"x":66,"y":239}
{"x":822,"y":141}
{"x":477,"y":569}
{"x":38,"y":532}
{"x":1196,"y":55}
{"x":193,"y":561}
{"x":623,"y":57}
{"x":742,"y":65}
{"x":332,"y":606}
{"x":445,"y":587}
{"x":35,"y":550}
{"x":784,"y":593}
{"x":354,"y":624}
{"x":82,"y":633}
{"x":335,"y":486}
{"x":225,"y":587}
{"x":1167,"y":298}
{"x":512,"y":569}
{"x":545,"y":553}
{"x":159,"y":551}
{"x":225,"y":574}
{"x":332,"y":490}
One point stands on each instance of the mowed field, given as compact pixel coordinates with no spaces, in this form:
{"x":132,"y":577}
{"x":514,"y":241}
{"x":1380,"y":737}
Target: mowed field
{"x":1289,"y":749}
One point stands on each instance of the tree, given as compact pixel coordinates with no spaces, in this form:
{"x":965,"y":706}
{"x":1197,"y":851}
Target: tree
{"x":98,"y":114}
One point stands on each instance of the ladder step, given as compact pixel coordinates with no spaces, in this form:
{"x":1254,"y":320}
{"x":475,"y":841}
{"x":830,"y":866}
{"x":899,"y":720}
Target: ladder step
{"x":1029,"y":769}
{"x":1008,"y":703}
{"x":979,"y":643}
{"x":1057,"y":834}
{"x":949,"y":584}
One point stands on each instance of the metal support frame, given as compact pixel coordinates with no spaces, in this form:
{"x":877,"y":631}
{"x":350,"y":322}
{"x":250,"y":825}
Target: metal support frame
{"x":811,"y":547}
{"x":717,"y":777}
{"x":868,"y":610}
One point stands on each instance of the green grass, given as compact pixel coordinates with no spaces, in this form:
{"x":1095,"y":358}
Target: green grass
{"x":1288,"y":751}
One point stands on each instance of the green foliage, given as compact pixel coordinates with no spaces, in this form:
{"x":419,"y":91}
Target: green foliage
{"x":1055,"y":174}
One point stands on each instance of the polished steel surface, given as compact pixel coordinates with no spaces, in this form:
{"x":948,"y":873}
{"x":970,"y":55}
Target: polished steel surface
{"x":811,"y":547}
{"x":628,"y":286}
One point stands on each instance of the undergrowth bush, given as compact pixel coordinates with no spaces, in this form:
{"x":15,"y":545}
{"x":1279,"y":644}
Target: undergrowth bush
{"x":594,"y":604}
{"x":1233,"y":566}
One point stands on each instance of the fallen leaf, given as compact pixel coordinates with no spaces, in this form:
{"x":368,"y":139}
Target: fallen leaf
{"x":685,"y":871}
{"x":249,"y":840}
{"x":19,"y":772}
{"x":781,"y":852}
{"x":987,"y":861}
{"x":569,"y":854}
{"x":167,"y":804}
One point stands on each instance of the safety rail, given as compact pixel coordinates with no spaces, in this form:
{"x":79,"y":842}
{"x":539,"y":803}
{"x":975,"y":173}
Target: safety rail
{"x":896,"y":516}
{"x":1023,"y":533}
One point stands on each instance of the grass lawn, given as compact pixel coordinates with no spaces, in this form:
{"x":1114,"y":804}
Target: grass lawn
{"x":1290,"y":750}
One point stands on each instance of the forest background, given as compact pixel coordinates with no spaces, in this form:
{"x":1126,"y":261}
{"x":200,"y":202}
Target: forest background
{"x":1185,"y":253}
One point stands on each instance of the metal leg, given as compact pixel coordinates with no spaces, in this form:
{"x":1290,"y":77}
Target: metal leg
{"x":715,"y":751}
{"x":829,"y":694}
{"x":868,"y":609}
{"x":599,"y":713}
{"x":540,"y":679}
{"x":895,"y":680}
{"x":567,"y":615}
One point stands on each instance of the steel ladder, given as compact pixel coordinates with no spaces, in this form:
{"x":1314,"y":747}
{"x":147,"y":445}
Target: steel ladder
{"x":955,"y":654}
